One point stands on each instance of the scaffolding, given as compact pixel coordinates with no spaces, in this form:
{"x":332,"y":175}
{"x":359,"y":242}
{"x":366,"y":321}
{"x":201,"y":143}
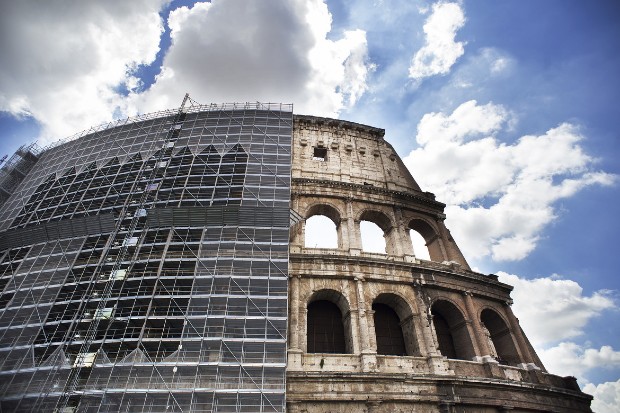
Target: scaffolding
{"x":16,"y":168}
{"x":161,"y":282}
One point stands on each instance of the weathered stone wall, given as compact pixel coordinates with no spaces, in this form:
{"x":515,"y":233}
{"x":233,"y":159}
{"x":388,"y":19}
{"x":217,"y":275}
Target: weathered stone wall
{"x":353,"y":176}
{"x":356,"y":154}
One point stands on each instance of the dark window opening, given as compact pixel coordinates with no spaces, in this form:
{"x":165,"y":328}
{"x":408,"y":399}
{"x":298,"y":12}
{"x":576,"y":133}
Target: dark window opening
{"x":390,"y":340}
{"x":444,"y":336}
{"x":325,"y":328}
{"x":499,"y":338}
{"x":320,"y":154}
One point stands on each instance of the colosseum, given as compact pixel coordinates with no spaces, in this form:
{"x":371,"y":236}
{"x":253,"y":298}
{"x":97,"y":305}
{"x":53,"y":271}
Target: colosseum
{"x":161,"y":264}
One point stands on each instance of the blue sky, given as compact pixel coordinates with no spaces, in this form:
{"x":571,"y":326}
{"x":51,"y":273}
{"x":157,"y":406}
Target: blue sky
{"x":505,"y":109}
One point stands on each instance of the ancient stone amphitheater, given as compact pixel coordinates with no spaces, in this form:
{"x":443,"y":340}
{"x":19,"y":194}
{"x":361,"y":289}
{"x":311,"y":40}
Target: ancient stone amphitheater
{"x":372,"y":332}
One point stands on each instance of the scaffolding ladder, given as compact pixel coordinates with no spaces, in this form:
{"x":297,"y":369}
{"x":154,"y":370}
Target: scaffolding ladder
{"x":73,"y":382}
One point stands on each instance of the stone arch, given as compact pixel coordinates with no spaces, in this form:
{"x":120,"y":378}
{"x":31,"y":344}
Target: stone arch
{"x":500,"y":337}
{"x":451,"y":330}
{"x":328,"y":211}
{"x":381,"y":220}
{"x":400,"y":311}
{"x":328,"y":323}
{"x":378,"y":217}
{"x":431,"y":237}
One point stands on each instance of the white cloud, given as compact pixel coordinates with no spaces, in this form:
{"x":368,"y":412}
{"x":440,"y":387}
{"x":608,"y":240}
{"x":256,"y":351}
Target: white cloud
{"x":440,"y":50}
{"x":272,"y":51}
{"x":65,"y":65}
{"x":467,"y":120}
{"x":570,"y":359}
{"x":485,"y":65}
{"x":500,"y":65}
{"x":62,"y":62}
{"x":606,"y":396}
{"x":499,"y":196}
{"x":552,"y":309}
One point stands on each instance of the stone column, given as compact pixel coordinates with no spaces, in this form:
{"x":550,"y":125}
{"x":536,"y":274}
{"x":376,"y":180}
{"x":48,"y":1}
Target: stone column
{"x":522,"y":347}
{"x":406,"y":248}
{"x":418,"y":320}
{"x":294,"y":313}
{"x":295,"y":352}
{"x":353,"y":228}
{"x":479,"y":339}
{"x":451,"y":250}
{"x":425,"y":321}
{"x":472,"y":337}
{"x":344,"y":234}
{"x":361,"y":307}
{"x":368,"y":353}
{"x":298,"y":230}
{"x":392,"y":242}
{"x":303,"y":330}
{"x":372,"y":337}
{"x":442,"y":247}
{"x":300,"y":235}
{"x":436,"y":362}
{"x":351,"y":323}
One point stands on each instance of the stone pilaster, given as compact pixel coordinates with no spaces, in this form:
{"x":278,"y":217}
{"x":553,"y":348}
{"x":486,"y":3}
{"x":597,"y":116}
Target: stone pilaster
{"x":406,"y":248}
{"x":353,"y":226}
{"x":479,"y":338}
{"x":522,"y":346}
{"x":294,"y":305}
{"x":368,"y":353}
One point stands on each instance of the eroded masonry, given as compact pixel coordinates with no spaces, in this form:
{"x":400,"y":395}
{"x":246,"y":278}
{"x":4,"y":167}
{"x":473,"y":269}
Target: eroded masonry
{"x":159,"y":264}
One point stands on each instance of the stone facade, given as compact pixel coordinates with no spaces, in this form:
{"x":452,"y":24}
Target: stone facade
{"x":463,"y":349}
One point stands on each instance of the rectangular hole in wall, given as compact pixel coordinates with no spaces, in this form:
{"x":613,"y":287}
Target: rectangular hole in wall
{"x":320,"y":154}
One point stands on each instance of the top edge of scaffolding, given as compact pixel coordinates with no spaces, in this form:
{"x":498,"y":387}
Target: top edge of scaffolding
{"x":193,"y":107}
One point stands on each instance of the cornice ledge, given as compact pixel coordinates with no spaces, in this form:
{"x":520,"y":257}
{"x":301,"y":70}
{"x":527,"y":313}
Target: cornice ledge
{"x":370,"y":188}
{"x":424,"y":267}
{"x":378,"y":132}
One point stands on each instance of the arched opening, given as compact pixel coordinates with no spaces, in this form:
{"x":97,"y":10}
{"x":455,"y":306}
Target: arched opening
{"x":390,"y":339}
{"x":326,"y":331}
{"x":321,"y":232}
{"x":321,"y":227}
{"x":394,"y":326}
{"x":499,"y":338}
{"x":444,"y":336}
{"x":451,"y":329}
{"x":374,"y":229}
{"x":420,"y":250}
{"x":431,"y":241}
{"x":372,"y":237}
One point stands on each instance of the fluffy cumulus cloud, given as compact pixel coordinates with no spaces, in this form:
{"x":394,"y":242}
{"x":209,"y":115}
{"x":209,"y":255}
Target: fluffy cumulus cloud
{"x":606,"y":396}
{"x":63,"y":62}
{"x":500,"y":196}
{"x":74,"y":65}
{"x":440,"y":50}
{"x":571,"y":359}
{"x":552,"y":309}
{"x":271,"y":51}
